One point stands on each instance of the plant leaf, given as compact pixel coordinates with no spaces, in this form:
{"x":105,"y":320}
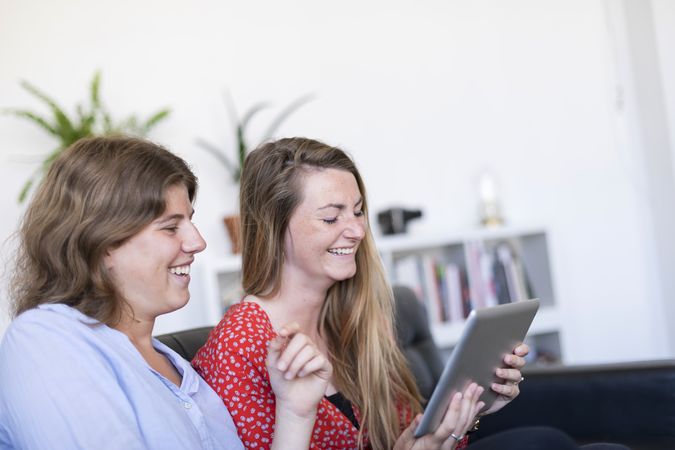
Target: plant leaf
{"x":95,"y":90}
{"x":153,"y":120}
{"x":218,"y":154}
{"x":24,"y":190}
{"x":287,"y":111}
{"x":64,"y":127}
{"x":231,"y":110}
{"x":39,"y":121}
{"x":242,"y":149}
{"x":255,"y":109}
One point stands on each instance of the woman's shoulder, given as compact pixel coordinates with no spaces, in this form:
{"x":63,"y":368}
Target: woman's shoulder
{"x":245,"y":329}
{"x":54,"y":338}
{"x":50,"y":321}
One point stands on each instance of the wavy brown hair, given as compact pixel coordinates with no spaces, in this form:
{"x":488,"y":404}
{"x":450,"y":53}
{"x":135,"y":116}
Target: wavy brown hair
{"x":357,"y":317}
{"x":97,"y":194}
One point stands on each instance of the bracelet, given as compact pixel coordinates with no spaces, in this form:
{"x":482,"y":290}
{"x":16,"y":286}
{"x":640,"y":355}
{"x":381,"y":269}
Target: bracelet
{"x":474,"y":428}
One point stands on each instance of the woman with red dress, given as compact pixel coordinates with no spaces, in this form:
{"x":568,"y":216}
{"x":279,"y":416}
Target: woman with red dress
{"x":309,"y":258}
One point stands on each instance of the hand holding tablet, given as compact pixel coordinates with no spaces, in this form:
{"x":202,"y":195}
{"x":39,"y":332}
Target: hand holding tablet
{"x":489,"y":334}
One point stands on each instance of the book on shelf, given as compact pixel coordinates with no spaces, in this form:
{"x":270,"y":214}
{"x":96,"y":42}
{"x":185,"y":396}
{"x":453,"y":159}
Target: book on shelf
{"x":441,"y":287}
{"x":509,"y":267}
{"x":481,"y":279}
{"x":494,"y":274}
{"x":454,"y":294}
{"x":432,"y":293}
{"x":408,"y":272}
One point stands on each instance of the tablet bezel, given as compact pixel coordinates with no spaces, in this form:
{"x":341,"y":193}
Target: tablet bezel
{"x":488,"y":335}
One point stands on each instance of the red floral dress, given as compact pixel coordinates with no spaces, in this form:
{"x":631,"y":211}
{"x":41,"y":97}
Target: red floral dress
{"x":233,"y":363}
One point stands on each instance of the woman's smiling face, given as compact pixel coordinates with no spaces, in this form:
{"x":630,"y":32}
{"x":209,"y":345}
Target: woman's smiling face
{"x":151,"y":270}
{"x":325,"y":230}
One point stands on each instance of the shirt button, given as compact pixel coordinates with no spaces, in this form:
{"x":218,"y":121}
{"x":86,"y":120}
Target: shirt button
{"x":187,"y":405}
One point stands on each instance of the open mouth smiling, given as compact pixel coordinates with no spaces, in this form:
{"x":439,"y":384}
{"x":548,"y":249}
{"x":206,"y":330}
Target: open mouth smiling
{"x":341,"y":250}
{"x":180,"y":270}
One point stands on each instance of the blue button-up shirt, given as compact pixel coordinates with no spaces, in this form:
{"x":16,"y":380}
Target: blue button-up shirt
{"x":69,"y":382}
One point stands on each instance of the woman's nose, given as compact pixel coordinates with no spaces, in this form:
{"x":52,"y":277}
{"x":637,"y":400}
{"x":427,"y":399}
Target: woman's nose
{"x":356,"y":228}
{"x":194,"y":242}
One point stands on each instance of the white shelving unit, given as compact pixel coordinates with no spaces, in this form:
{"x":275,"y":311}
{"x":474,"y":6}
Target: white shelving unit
{"x":221,"y":278}
{"x":529,"y":245}
{"x":222,"y":285}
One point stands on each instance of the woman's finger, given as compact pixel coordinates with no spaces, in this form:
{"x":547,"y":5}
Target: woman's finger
{"x":517,"y":362}
{"x":319,"y":366}
{"x":277,"y":344}
{"x":274,"y":348}
{"x":507,"y":390}
{"x":302,"y":357}
{"x":407,"y":438}
{"x":294,"y":345}
{"x":521,"y":350}
{"x":449,"y":422}
{"x":289,"y":329}
{"x":468,"y":404}
{"x":509,"y":375}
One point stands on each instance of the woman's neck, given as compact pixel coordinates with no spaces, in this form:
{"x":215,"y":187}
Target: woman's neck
{"x":138,"y":331}
{"x":295,"y":303}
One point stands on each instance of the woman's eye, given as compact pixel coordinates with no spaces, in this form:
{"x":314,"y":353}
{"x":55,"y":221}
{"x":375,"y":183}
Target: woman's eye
{"x":358,"y":213}
{"x":171,"y":229}
{"x":330,"y":221}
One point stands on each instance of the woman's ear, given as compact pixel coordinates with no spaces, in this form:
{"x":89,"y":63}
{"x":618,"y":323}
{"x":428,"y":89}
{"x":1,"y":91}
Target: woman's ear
{"x":108,"y":259}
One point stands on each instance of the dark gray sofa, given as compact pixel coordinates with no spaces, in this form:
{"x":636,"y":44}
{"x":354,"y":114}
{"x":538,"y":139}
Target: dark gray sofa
{"x":629,"y":403}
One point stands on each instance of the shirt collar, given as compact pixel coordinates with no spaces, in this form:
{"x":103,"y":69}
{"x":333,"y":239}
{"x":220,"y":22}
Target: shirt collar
{"x":190,"y":383}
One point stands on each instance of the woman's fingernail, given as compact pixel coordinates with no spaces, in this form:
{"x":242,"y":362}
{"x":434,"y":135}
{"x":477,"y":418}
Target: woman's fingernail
{"x":281,"y":365}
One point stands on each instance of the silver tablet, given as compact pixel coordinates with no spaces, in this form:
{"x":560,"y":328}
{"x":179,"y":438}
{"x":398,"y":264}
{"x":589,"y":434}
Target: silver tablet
{"x":489,"y":334}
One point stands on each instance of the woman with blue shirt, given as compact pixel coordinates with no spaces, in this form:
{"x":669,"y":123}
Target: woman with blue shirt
{"x":106,"y":247}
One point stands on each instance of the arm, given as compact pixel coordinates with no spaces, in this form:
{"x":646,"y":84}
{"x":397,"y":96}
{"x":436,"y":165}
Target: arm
{"x":299,"y":374}
{"x":56,"y":388}
{"x":237,"y":365}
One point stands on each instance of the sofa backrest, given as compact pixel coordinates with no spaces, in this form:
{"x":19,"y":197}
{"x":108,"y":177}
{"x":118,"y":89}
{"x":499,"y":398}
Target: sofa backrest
{"x":628,"y":403}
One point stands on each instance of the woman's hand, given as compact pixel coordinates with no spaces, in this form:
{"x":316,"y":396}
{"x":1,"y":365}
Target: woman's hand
{"x":458,"y":419}
{"x":299,"y":372}
{"x":511,"y":376}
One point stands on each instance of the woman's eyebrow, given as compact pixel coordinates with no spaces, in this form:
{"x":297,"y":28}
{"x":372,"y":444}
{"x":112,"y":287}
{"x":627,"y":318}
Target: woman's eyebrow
{"x":341,"y":206}
{"x":176,"y":216}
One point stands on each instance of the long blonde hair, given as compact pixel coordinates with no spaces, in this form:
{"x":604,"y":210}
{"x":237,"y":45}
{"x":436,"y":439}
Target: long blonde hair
{"x":357,"y":317}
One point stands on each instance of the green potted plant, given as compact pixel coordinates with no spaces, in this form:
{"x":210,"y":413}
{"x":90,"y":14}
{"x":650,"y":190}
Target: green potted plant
{"x":234,"y":164}
{"x":92,"y":119}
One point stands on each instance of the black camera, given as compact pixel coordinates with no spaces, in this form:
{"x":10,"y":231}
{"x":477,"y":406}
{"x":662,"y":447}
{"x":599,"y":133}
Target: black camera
{"x":395,"y":220}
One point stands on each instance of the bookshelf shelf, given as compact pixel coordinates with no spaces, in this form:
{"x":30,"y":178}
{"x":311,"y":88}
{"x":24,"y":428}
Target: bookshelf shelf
{"x":456,"y":272}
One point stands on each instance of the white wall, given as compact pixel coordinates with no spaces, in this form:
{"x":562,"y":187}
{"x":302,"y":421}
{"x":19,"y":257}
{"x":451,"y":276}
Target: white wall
{"x":424,"y":94}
